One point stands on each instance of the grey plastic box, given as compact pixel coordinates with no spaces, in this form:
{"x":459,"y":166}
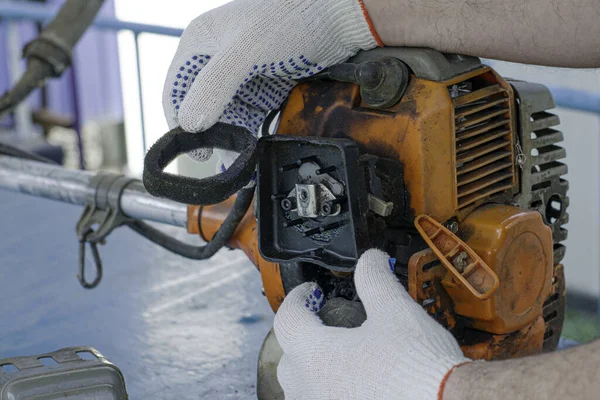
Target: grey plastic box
{"x":70,"y":377}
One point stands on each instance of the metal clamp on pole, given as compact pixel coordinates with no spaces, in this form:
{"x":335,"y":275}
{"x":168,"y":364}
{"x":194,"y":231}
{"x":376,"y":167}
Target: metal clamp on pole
{"x":102,"y":214}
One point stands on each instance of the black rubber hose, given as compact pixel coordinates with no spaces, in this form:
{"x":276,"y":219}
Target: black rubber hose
{"x":36,"y":74}
{"x":13,"y":151}
{"x":50,"y":54}
{"x":225,"y":232}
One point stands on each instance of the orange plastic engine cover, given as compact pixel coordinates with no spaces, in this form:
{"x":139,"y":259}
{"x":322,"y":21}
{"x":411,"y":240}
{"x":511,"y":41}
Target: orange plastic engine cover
{"x":206,"y":221}
{"x":450,"y":165}
{"x":518,"y":247}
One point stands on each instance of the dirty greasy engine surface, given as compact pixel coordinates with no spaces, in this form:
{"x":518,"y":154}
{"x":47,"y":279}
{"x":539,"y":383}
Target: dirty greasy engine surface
{"x":464,"y":147}
{"x":455,"y":171}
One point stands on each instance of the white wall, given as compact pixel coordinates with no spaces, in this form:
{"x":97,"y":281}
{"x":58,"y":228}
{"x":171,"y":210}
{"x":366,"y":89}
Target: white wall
{"x":582,"y":142}
{"x":156,"y":53}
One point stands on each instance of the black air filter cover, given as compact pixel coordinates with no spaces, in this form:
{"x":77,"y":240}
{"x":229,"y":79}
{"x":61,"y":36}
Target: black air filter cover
{"x":312,"y":201}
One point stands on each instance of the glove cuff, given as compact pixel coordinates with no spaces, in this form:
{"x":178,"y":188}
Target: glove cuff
{"x":426,"y":379}
{"x":370,"y":24}
{"x":447,"y":377}
{"x":346,"y":30}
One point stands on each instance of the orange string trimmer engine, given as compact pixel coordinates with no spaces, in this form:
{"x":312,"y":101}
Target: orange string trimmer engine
{"x":435,"y":158}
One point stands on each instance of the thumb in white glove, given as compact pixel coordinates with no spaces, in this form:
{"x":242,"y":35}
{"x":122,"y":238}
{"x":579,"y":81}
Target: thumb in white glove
{"x":398,"y":353}
{"x":237,"y":62}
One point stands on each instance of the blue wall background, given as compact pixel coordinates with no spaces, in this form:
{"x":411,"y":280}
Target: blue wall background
{"x":94,"y":80}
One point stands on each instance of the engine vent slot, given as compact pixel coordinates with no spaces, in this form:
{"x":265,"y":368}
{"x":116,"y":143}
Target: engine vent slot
{"x":484,"y":139}
{"x":543,"y":187}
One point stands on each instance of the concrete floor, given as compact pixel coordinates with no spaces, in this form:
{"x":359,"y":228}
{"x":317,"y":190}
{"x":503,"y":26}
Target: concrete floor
{"x":176,"y":328}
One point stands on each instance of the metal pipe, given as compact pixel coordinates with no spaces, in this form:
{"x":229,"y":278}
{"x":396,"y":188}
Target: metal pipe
{"x":73,"y":187}
{"x":138,"y":64}
{"x":42,"y":13}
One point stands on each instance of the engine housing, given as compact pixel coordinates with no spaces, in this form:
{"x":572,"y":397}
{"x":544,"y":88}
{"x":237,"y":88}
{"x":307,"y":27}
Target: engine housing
{"x":475,"y":152}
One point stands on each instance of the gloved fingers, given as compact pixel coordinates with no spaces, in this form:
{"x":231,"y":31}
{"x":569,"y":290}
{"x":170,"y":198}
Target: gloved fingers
{"x":226,"y":159}
{"x":196,"y":44}
{"x":182,"y":75}
{"x":200,"y":29}
{"x":212,"y":91}
{"x":246,"y":111}
{"x":378,"y":287}
{"x":201,"y":155}
{"x":297,"y":319}
{"x":285,"y":373}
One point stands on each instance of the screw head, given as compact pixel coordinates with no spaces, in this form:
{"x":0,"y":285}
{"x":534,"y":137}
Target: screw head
{"x":303,"y":194}
{"x":286,"y":204}
{"x":452,"y":226}
{"x":326,"y":208}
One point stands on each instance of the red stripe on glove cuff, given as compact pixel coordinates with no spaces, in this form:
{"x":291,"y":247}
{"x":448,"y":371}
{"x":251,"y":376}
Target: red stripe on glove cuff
{"x":370,"y":22}
{"x":445,"y":380}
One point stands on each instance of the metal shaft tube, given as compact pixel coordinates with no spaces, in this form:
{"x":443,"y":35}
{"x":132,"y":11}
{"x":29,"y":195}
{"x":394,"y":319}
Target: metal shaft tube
{"x":73,"y":186}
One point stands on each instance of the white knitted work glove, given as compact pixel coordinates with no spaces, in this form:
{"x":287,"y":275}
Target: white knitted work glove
{"x":237,"y":62}
{"x":398,"y":353}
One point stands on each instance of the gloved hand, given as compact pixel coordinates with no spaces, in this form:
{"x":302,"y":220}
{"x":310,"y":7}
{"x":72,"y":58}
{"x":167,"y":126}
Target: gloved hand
{"x":237,"y":62}
{"x":398,"y":353}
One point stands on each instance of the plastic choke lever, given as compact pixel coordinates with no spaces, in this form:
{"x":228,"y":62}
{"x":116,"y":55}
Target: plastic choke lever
{"x":458,"y":258}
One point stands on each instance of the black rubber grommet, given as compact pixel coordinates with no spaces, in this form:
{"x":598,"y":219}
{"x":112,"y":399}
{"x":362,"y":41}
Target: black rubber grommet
{"x":208,"y":191}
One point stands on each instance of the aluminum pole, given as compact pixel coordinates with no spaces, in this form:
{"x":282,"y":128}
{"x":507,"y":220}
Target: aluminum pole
{"x":73,"y":187}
